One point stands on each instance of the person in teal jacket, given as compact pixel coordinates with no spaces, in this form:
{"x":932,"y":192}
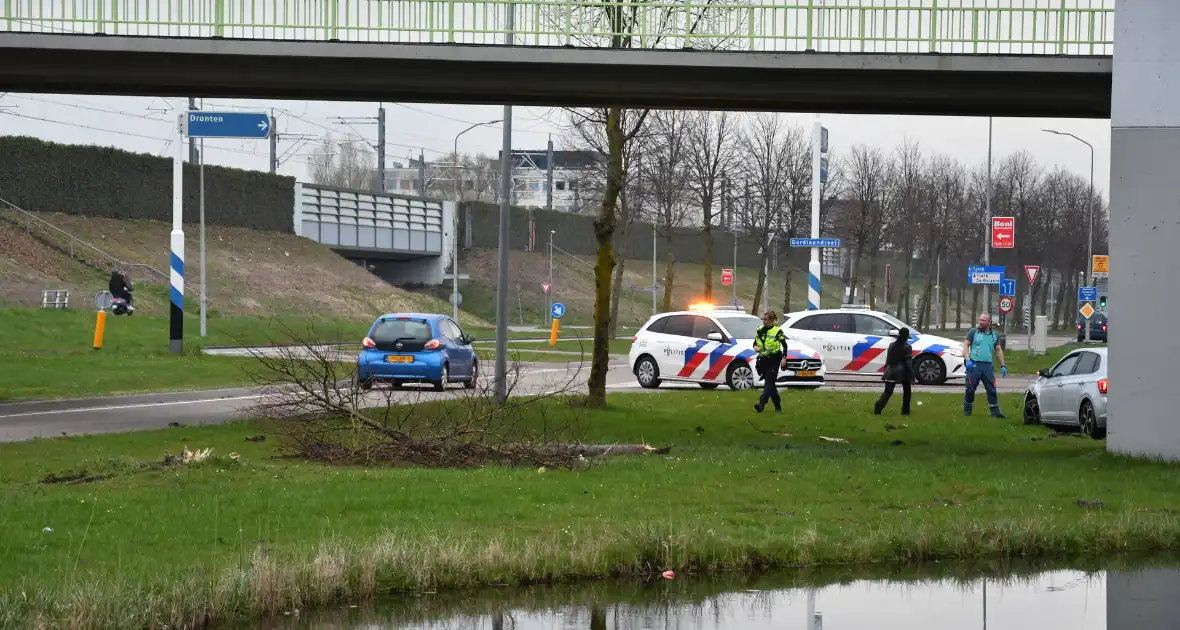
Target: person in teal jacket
{"x":982,"y":349}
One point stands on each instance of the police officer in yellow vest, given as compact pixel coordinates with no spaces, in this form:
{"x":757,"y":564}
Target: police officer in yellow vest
{"x":769,"y":343}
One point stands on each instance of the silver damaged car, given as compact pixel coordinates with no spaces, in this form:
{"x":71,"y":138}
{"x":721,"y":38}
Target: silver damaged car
{"x":1071,"y":393}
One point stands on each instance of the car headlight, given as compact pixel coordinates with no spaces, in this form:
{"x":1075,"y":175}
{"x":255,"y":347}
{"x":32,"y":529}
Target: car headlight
{"x":955,"y":352}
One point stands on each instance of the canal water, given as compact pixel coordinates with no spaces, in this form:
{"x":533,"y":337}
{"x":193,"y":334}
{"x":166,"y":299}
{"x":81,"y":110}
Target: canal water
{"x":1140,"y":598}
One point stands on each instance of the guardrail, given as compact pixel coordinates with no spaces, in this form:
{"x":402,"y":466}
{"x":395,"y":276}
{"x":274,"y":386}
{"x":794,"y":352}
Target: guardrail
{"x":31,"y":218}
{"x":1055,"y":27}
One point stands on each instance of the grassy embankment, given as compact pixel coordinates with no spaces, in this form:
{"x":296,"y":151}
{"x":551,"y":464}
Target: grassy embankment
{"x":230,"y":538}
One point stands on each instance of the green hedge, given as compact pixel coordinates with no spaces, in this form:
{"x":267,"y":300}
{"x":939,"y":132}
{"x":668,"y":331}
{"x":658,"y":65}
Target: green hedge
{"x":44,"y":176}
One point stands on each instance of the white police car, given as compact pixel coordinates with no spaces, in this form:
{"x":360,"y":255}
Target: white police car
{"x":854,"y":339}
{"x":713,"y":345}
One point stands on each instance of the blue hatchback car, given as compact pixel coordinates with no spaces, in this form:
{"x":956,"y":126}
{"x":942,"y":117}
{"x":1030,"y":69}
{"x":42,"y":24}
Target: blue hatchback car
{"x":417,"y":348}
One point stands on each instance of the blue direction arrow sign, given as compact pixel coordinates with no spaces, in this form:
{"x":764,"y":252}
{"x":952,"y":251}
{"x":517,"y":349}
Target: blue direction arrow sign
{"x":228,"y":125}
{"x":815,"y":242}
{"x":1008,"y":287}
{"x":558,"y":310}
{"x":985,"y":275}
{"x":1087,"y":294}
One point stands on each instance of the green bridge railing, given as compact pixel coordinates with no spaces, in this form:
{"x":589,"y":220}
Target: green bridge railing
{"x":1049,"y":27}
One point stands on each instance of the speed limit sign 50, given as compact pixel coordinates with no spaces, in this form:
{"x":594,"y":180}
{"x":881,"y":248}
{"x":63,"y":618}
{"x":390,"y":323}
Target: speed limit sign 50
{"x":1006,"y":304}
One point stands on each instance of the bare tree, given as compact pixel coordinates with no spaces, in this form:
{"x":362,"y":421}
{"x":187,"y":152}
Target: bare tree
{"x":346,"y":163}
{"x":861,"y":219}
{"x":665,"y":179}
{"x":712,"y":138}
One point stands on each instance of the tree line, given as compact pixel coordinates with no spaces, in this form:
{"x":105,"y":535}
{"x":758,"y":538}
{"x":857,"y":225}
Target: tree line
{"x":921,"y":215}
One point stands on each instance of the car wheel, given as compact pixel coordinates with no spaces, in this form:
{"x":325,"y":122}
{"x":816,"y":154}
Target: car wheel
{"x":740,"y":377}
{"x":474,"y":376}
{"x":446,"y":378}
{"x":709,"y":386}
{"x":1088,"y":421}
{"x":647,"y":373}
{"x":930,"y":370}
{"x":1032,"y":410}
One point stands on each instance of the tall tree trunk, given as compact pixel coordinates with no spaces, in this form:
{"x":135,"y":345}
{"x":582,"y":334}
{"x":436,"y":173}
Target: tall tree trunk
{"x":617,"y":283}
{"x":604,"y":232}
{"x":959,"y":308}
{"x":756,"y":308}
{"x":669,"y":267}
{"x":854,"y":271}
{"x":707,"y":232}
{"x":787,"y":286}
{"x":872,"y":297}
{"x":904,"y":312}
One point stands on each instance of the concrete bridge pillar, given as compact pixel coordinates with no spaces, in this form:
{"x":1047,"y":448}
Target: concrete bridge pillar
{"x":1145,"y":230}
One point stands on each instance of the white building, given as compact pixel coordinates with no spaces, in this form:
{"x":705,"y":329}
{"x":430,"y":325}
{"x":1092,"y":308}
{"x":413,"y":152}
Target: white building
{"x":574,"y":174}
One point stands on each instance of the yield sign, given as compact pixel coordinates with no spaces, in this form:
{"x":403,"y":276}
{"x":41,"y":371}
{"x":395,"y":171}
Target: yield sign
{"x":1031,"y":271}
{"x":545,"y":286}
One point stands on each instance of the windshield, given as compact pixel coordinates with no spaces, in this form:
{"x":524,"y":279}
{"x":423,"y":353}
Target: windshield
{"x":744,"y":327}
{"x":897,"y":323}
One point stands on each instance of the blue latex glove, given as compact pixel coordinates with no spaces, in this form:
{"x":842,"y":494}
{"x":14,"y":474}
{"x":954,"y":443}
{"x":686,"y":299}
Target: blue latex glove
{"x":1003,"y":370}
{"x":970,"y":364}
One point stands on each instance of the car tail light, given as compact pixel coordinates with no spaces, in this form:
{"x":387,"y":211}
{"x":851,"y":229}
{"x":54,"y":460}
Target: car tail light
{"x":635,"y":338}
{"x":433,"y":344}
{"x":1103,"y":385}
{"x":368,"y":343}
{"x":1079,"y":326}
{"x":1104,"y":328}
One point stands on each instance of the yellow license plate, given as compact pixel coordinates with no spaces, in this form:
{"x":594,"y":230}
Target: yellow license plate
{"x":395,"y":358}
{"x":807,"y":373}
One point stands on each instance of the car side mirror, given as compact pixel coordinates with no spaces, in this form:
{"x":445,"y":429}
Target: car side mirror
{"x":1043,"y":372}
{"x":715,"y":336}
{"x":467,"y":338}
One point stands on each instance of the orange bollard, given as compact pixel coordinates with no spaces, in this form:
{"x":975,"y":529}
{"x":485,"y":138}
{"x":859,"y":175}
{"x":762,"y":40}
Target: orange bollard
{"x":100,"y":328}
{"x":553,"y":332}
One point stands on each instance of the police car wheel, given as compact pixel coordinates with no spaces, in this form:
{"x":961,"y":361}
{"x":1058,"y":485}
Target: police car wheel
{"x":740,"y":377}
{"x":930,"y":370}
{"x":647,"y":373}
{"x":709,"y":386}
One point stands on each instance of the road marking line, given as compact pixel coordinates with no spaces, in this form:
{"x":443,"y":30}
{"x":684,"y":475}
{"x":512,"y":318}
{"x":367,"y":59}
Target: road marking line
{"x":135,"y":406}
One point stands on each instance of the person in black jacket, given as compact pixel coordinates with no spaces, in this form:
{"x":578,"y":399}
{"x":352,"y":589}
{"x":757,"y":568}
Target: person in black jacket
{"x":899,"y":368}
{"x":120,"y":286}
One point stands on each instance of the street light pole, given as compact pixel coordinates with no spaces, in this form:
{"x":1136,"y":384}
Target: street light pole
{"x":500,"y":380}
{"x":549,"y":317}
{"x":654,"y":281}
{"x":455,"y":224}
{"x":1089,"y":220}
{"x":987,"y":222}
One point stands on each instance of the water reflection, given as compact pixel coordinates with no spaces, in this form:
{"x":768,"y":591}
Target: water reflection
{"x":1139,"y":599}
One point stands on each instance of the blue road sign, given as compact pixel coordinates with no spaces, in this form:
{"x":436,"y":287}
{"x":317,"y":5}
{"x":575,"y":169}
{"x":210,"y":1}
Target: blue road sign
{"x":985,"y":275}
{"x":557,"y":310}
{"x":1008,"y":287}
{"x":228,"y":125}
{"x":815,"y":242}
{"x":1087,"y":294}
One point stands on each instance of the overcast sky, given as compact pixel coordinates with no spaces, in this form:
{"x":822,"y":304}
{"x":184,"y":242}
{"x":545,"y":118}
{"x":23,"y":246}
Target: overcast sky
{"x":148,"y":125}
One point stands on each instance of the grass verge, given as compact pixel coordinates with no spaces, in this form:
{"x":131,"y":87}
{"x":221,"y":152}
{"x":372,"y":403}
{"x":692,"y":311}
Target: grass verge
{"x":258,"y":535}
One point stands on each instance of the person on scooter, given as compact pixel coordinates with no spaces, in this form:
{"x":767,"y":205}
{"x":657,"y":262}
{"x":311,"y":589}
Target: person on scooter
{"x":120,"y":287}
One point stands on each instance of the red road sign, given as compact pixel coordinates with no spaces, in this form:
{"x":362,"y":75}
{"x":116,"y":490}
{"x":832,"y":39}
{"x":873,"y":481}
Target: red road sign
{"x":1031,"y":271}
{"x":545,"y":286}
{"x":1006,"y":304}
{"x":726,"y":277}
{"x":1003,"y":232}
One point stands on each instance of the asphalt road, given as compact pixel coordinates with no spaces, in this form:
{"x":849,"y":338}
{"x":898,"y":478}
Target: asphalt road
{"x":23,"y":421}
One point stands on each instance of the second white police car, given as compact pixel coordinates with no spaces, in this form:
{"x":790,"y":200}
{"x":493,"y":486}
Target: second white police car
{"x":853,"y":340}
{"x":713,"y":345}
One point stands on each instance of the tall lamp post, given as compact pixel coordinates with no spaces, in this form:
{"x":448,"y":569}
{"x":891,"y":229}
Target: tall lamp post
{"x":455,"y":224}
{"x":1089,"y":220}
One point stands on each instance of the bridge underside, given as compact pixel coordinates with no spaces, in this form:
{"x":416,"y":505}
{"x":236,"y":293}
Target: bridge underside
{"x":933,"y":84}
